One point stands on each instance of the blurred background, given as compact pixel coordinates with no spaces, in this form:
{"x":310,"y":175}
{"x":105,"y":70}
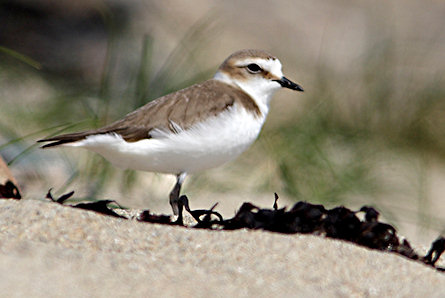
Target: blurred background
{"x":369,"y":129}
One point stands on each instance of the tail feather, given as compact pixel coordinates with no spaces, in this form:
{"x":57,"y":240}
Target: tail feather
{"x":65,"y":139}
{"x":53,"y":144}
{"x":129,"y":134}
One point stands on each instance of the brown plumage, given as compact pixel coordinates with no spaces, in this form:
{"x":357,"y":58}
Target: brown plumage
{"x":182,"y":108}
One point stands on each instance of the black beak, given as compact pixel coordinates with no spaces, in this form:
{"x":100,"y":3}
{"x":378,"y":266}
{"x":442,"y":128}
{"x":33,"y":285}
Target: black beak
{"x":286,"y":83}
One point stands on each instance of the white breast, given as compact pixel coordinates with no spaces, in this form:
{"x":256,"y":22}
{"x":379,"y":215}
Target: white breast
{"x":205,"y":145}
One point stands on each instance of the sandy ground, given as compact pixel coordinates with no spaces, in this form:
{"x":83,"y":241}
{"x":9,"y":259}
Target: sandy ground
{"x":47,"y":250}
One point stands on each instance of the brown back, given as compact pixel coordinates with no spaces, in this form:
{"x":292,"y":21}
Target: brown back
{"x":183,"y":108}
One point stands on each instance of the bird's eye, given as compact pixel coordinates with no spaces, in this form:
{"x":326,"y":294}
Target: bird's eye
{"x":254,"y":68}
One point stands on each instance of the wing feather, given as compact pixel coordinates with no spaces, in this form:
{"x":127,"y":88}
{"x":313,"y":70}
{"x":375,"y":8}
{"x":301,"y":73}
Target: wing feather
{"x":171,"y":113}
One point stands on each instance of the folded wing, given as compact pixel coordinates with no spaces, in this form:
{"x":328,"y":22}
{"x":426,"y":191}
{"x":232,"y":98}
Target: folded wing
{"x":171,"y":113}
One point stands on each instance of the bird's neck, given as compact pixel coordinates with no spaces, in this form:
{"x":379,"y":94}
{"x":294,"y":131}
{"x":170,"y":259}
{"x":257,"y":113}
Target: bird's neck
{"x":259,"y":93}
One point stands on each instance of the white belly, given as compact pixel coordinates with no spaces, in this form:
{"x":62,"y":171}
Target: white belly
{"x":205,"y":145}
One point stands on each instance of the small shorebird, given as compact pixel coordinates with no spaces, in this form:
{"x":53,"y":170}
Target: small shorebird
{"x":197,"y":128}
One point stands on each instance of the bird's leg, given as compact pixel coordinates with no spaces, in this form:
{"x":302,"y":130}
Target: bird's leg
{"x":174,"y":194}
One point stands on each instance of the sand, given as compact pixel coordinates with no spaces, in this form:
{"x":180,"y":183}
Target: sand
{"x":48,"y":250}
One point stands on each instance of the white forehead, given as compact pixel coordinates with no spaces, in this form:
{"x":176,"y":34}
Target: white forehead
{"x":271,"y":65}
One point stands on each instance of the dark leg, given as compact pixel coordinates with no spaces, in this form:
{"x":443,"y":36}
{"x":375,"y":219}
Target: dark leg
{"x":174,"y":194}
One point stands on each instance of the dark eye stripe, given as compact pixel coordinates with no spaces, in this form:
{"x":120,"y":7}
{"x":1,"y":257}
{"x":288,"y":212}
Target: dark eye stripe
{"x":254,"y":68}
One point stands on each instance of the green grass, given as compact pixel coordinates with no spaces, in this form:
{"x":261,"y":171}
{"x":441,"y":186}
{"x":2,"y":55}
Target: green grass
{"x":77,"y":105}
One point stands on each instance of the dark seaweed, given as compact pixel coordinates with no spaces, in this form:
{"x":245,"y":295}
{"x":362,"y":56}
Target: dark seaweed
{"x":306,"y":218}
{"x":9,"y":191}
{"x":100,"y":206}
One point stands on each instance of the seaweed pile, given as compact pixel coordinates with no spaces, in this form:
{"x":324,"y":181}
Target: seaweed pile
{"x":306,"y":218}
{"x":9,"y":191}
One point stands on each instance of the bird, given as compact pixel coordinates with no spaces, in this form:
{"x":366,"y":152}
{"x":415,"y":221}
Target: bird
{"x":194,"y":129}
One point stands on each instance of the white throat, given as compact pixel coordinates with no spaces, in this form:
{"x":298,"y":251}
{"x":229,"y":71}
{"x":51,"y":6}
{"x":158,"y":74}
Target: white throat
{"x":259,"y":89}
